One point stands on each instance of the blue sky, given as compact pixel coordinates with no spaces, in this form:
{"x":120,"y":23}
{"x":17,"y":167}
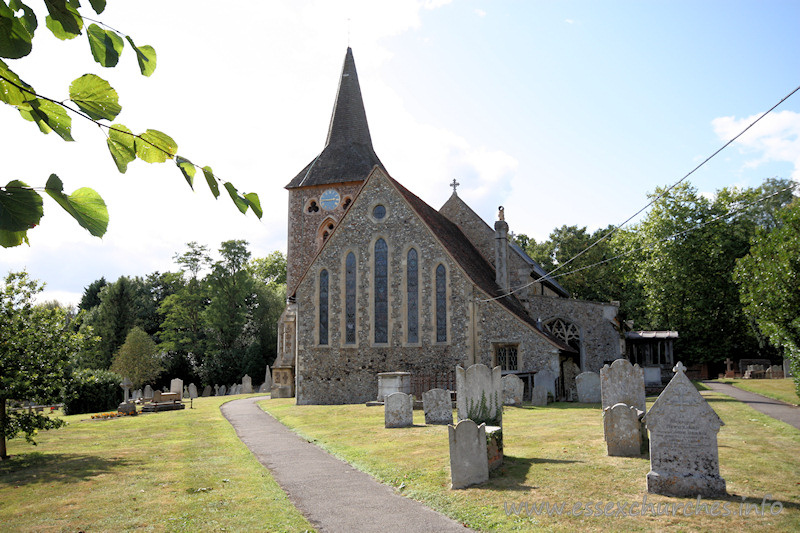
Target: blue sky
{"x":564,"y":112}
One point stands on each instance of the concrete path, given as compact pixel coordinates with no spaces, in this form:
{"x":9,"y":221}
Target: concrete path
{"x":331,"y":494}
{"x":774,"y":408}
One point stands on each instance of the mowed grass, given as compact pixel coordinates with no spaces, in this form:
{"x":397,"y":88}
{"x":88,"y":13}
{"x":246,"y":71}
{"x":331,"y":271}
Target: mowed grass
{"x":170,"y":471}
{"x":556,"y":455}
{"x":778,"y":389}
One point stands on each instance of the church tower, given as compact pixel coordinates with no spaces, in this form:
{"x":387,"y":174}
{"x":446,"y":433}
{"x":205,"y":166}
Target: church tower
{"x":321,"y":193}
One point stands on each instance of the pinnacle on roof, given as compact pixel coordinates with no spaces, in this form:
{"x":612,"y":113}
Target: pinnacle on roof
{"x":348,"y":154}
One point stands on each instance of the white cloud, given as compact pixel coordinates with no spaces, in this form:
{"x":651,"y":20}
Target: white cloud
{"x":776,"y":138}
{"x":480,"y":12}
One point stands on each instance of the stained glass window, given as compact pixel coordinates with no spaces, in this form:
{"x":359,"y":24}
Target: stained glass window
{"x":441,"y":304}
{"x":323,"y":307}
{"x":412,"y":290}
{"x":381,"y":292}
{"x":350,"y":299}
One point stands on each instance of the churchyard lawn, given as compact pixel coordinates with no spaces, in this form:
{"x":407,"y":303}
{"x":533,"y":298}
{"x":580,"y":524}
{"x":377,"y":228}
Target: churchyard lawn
{"x":171,"y":471}
{"x":778,"y":389}
{"x":556,"y":456}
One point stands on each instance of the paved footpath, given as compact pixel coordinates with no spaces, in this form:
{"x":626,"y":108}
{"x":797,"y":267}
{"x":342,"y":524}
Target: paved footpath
{"x":331,"y":494}
{"x":774,"y":408}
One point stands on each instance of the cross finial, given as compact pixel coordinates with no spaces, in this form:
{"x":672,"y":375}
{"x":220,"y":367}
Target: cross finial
{"x":679,"y":367}
{"x":454,"y":185}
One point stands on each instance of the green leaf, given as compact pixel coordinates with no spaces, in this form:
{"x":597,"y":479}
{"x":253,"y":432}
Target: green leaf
{"x":240,"y":202}
{"x":95,"y":97}
{"x":146,"y":56}
{"x":64,"y":20}
{"x":20,"y":207}
{"x":84,"y":205}
{"x":188,"y":170}
{"x":13,"y":238}
{"x":106,"y":45}
{"x":48,"y":116}
{"x":98,"y":5}
{"x":211,"y":180}
{"x":15,"y":37}
{"x":254,"y":203}
{"x":121,"y":145}
{"x":10,"y":84}
{"x":28,"y":19}
{"x":154,"y":146}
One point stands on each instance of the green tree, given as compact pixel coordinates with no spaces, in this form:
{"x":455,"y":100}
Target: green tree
{"x":769,"y":282}
{"x":91,"y":98}
{"x":137,"y":358}
{"x":35,"y":352}
{"x":270,"y":270}
{"x":91,"y":294}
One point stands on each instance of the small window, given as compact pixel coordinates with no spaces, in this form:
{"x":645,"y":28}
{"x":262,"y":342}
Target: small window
{"x":379,"y":211}
{"x":312,"y":206}
{"x":347,"y":202}
{"x":506,"y":356}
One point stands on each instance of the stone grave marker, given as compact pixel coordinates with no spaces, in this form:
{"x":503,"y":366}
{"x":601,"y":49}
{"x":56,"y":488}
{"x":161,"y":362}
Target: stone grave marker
{"x":652,"y":376}
{"x":479,"y":394}
{"x":570,"y":371}
{"x":437,"y":406}
{"x":512,"y":390}
{"x":206,"y":391}
{"x":137,"y":394}
{"x":391,"y":382}
{"x":148,"y":392}
{"x":185,"y":392}
{"x":264,"y":387}
{"x":222,"y":391}
{"x":545,"y":378}
{"x":398,"y":410}
{"x":684,"y":458}
{"x":622,"y":382}
{"x":267,"y":381}
{"x":247,"y":385}
{"x":176,"y":385}
{"x":623,"y":430}
{"x":469,"y":463}
{"x":539,"y":396}
{"x":126,"y":387}
{"x":588,"y":384}
{"x":193,"y":391}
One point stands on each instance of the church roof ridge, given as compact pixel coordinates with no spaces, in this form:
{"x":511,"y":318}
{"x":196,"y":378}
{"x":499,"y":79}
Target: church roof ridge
{"x":348,"y":154}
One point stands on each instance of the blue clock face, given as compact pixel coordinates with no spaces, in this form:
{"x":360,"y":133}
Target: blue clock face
{"x":329,"y":200}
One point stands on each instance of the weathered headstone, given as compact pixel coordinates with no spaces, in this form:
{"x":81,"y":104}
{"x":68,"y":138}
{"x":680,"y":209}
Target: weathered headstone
{"x":127,"y":408}
{"x":684,"y":458}
{"x":267,"y":381}
{"x":391,"y":382}
{"x":222,"y":391}
{"x":137,"y":394}
{"x":247,"y":385}
{"x":398,"y":410}
{"x":264,"y":387}
{"x":148,"y":392}
{"x":193,"y":390}
{"x":539,"y":396}
{"x":206,"y":391}
{"x":176,"y":385}
{"x":185,"y":392}
{"x":652,"y":376}
{"x":623,"y":430}
{"x":437,"y":406}
{"x":545,"y":378}
{"x":126,"y":387}
{"x":570,"y":371}
{"x":469,"y":464}
{"x":588,"y":384}
{"x":479,"y":394}
{"x":512,"y":390}
{"x":622,"y":382}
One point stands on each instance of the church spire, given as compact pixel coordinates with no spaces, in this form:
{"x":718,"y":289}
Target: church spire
{"x":348,"y":154}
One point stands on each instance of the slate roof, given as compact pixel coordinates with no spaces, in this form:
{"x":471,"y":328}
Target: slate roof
{"x":348,"y":154}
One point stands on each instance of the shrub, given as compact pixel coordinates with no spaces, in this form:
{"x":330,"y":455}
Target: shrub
{"x":92,"y":391}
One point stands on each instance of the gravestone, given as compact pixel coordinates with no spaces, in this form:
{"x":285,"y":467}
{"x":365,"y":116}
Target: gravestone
{"x":622,"y":382}
{"x":247,"y":385}
{"x":512,"y":390}
{"x":126,"y":387}
{"x":469,"y":463}
{"x":222,"y":391}
{"x":623,"y":430}
{"x":539,"y":396}
{"x":787,"y":370}
{"x":216,"y":390}
{"x":570,"y":371}
{"x":398,"y":410}
{"x":479,"y":394}
{"x":264,"y":387}
{"x":176,"y":385}
{"x":206,"y":391}
{"x":185,"y":392}
{"x":437,"y":406}
{"x":652,"y":376}
{"x":545,"y":378}
{"x":391,"y":382}
{"x":193,"y":391}
{"x":684,"y":458}
{"x":148,"y":392}
{"x":588,"y":384}
{"x":137,"y":394}
{"x":267,"y":381}
{"x":234,"y":389}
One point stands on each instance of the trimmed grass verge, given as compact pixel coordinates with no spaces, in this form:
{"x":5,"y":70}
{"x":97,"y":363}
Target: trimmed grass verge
{"x":171,"y":471}
{"x":556,"y":455}
{"x":778,"y":389}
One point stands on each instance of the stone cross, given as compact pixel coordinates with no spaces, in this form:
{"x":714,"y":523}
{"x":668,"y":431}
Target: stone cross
{"x":454,"y":185}
{"x":126,"y":386}
{"x":728,"y":364}
{"x":679,"y":368}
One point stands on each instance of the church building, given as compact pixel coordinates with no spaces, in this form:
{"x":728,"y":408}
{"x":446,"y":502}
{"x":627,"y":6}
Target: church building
{"x":379,"y":281}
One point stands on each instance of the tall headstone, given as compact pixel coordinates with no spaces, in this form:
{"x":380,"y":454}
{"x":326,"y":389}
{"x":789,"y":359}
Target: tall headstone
{"x":479,"y":394}
{"x":148,"y":393}
{"x":539,"y":396}
{"x":185,"y":392}
{"x":126,"y":385}
{"x":267,"y":380}
{"x":623,"y":430}
{"x":588,"y":384}
{"x":545,"y":378}
{"x":469,"y":463}
{"x":622,"y":382}
{"x":437,"y":406}
{"x":247,"y":385}
{"x":398,"y":410}
{"x":570,"y":371}
{"x":176,"y":385}
{"x":206,"y":391}
{"x":684,"y":458}
{"x":193,"y":390}
{"x":222,"y":391}
{"x":512,"y":390}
